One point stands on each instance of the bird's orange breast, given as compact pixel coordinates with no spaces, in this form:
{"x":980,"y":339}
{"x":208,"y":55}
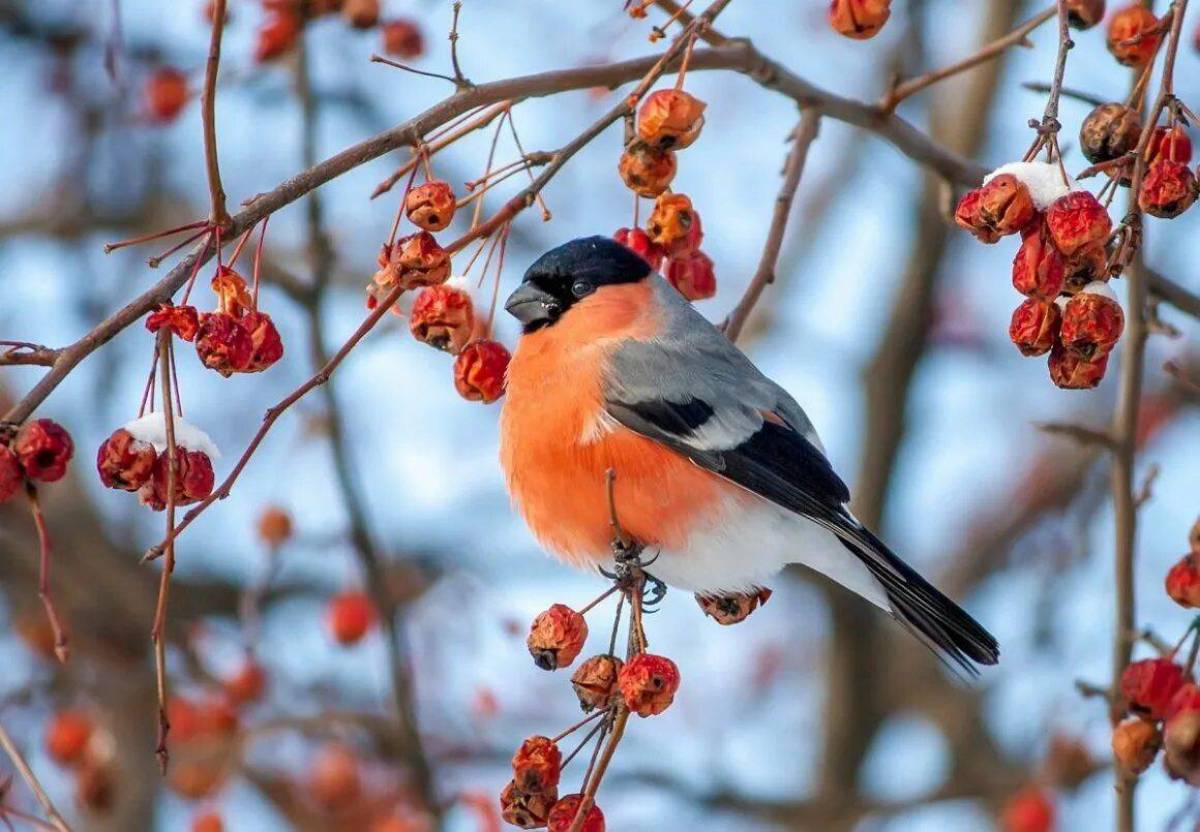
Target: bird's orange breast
{"x":557,"y":444}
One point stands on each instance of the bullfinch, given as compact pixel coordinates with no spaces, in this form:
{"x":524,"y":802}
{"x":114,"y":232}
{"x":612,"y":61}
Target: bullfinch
{"x":718,"y":471}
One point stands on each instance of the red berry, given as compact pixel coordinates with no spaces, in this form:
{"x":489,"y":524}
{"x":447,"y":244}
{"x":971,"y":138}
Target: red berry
{"x":194,"y":479}
{"x":1109,"y":132}
{"x":443,"y":317}
{"x":166,"y":93}
{"x":266,"y":347}
{"x":1034,"y":326}
{"x":1171,"y":144}
{"x":595,"y":681}
{"x":1029,"y":810}
{"x":1149,"y":685}
{"x":1187,"y":698}
{"x":223,"y":344}
{"x":562,"y":816}
{"x":350,"y":615}
{"x":277,"y":35}
{"x":11,"y":474}
{"x":1001,"y":206}
{"x":67,"y":736}
{"x":334,"y":780}
{"x":1181,"y":742}
{"x":692,"y":275}
{"x":44,"y":448}
{"x":479,"y":371}
{"x":859,"y":19}
{"x":732,"y":608}
{"x":125,"y":462}
{"x":1092,"y":322}
{"x":412,"y":262}
{"x":1183,"y":581}
{"x":181,"y":320}
{"x":1084,"y":14}
{"x":639,"y":242}
{"x":1129,"y":40}
{"x":209,"y":821}
{"x":556,"y":637}
{"x":403,"y":38}
{"x":1070,"y":372}
{"x":248,"y":684}
{"x":1076,"y":221}
{"x":1168,"y":189}
{"x":1039,"y":270}
{"x":646,"y":170}
{"x":274,"y":526}
{"x":675,"y":225}
{"x":648,"y":684}
{"x":361,"y":14}
{"x":537,"y":765}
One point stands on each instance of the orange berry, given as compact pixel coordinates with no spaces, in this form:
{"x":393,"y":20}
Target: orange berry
{"x":556,"y":637}
{"x":166,"y":93}
{"x":350,"y":615}
{"x":67,"y":736}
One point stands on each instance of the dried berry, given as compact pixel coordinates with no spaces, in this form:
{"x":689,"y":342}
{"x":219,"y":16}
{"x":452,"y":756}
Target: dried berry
{"x":528,"y":810}
{"x":223,"y":344}
{"x":334,"y":780}
{"x":1039,"y":270}
{"x":1181,"y":743}
{"x":1092,"y":322}
{"x":277,"y":35}
{"x":67,"y":736}
{"x":674,"y":224}
{"x":556,"y":637}
{"x":166,"y":93}
{"x":1084,"y":14}
{"x":648,"y":684}
{"x":1070,"y":372}
{"x":1086,"y":266}
{"x":431,"y":206}
{"x":402,"y":38}
{"x":1132,"y":38}
{"x":733,"y":608}
{"x":1148,"y":686}
{"x":1029,"y":810}
{"x":266,"y":347}
{"x":1077,"y":221}
{"x":1183,"y":581}
{"x":1169,"y":143}
{"x":418,"y":260}
{"x":247,"y":685}
{"x":595,"y":681}
{"x":1109,"y":131}
{"x":562,"y":816}
{"x":233,"y":294}
{"x":1168,"y":189}
{"x":670,"y":119}
{"x":361,"y":14}
{"x":859,"y":19}
{"x":183,"y":321}
{"x":11,"y":475}
{"x":646,"y":170}
{"x":1068,"y":762}
{"x":639,"y":242}
{"x":274,"y":526}
{"x":443,"y":317}
{"x":1187,"y":698}
{"x":692,"y":275}
{"x":537,"y":765}
{"x":1135,"y":744}
{"x":194,"y":479}
{"x":349,"y":616}
{"x":1001,"y":206}
{"x":44,"y":448}
{"x":125,"y":462}
{"x":479,"y":371}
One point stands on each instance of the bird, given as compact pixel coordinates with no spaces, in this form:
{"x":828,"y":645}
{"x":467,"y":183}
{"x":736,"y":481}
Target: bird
{"x":715,"y":468}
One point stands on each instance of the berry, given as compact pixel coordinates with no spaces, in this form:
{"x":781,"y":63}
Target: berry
{"x":674,"y":224}
{"x":11,"y":475}
{"x":595,"y":681}
{"x":692,"y":275}
{"x":349,"y":616}
{"x":403,"y":38}
{"x":1168,"y":189}
{"x":125,"y":462}
{"x":1183,"y":582}
{"x":443,"y":317}
{"x":1109,"y":131}
{"x":1092,"y":322}
{"x":44,"y":448}
{"x":96,"y":787}
{"x":1034,"y":326}
{"x":670,"y":119}
{"x":479,"y":371}
{"x":414,"y":261}
{"x":1128,"y":38}
{"x":1070,"y":372}
{"x":194,"y":479}
{"x":734,"y":608}
{"x":537,"y":765}
{"x":247,"y":685}
{"x":1135,"y":744}
{"x":223,"y":344}
{"x":265,"y":343}
{"x":528,"y":810}
{"x":639,"y":242}
{"x":67,"y":736}
{"x":274,"y":526}
{"x":166,"y":93}
{"x":195,"y":779}
{"x":1169,"y":143}
{"x":646,"y":170}
{"x":431,"y":206}
{"x":181,"y":320}
{"x":859,"y":19}
{"x":1029,"y":810}
{"x":648,"y":684}
{"x":1084,"y":14}
{"x":277,"y":35}
{"x":1149,"y":685}
{"x":1039,"y":270}
{"x":1089,"y":265}
{"x":334,"y":780}
{"x":208,"y":821}
{"x":562,"y":816}
{"x":1001,"y":206}
{"x":1181,"y":742}
{"x":1187,"y":698}
{"x":556,"y":637}
{"x":361,"y":14}
{"x":1076,"y":221}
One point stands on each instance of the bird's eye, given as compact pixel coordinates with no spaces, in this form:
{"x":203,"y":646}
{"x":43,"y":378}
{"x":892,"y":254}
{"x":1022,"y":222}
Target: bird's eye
{"x":581,"y":288}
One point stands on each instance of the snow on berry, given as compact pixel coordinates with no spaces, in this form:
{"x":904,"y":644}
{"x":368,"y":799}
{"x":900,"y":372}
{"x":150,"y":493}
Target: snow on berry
{"x":152,"y":428}
{"x":1043,"y":180}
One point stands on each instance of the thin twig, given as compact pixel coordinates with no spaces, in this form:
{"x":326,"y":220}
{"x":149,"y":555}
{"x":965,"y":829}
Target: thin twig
{"x":158,"y":631}
{"x":219,"y":216}
{"x":61,"y":648}
{"x":1066,"y":92}
{"x":22,"y":767}
{"x":460,"y":80}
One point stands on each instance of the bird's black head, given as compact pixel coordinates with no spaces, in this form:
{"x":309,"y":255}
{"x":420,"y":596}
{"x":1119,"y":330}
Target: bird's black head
{"x":565,"y":275}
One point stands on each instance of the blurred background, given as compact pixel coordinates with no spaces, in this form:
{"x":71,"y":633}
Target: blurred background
{"x":886,"y":323}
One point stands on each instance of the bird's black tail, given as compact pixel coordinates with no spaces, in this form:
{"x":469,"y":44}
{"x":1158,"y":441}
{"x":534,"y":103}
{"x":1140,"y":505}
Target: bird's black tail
{"x":942,"y":625}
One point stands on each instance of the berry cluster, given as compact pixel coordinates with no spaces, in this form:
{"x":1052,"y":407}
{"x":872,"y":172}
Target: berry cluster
{"x":667,"y":120}
{"x":285,"y":19}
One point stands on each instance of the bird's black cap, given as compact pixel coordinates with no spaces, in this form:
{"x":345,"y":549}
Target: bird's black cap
{"x":602,"y":260}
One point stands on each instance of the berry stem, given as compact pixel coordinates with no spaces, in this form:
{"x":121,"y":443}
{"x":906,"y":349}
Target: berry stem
{"x":156,"y":235}
{"x":569,"y":731}
{"x":61,"y":649}
{"x":157,"y":632}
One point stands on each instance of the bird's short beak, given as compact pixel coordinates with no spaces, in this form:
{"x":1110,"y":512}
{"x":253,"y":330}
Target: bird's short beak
{"x":532,"y":306}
